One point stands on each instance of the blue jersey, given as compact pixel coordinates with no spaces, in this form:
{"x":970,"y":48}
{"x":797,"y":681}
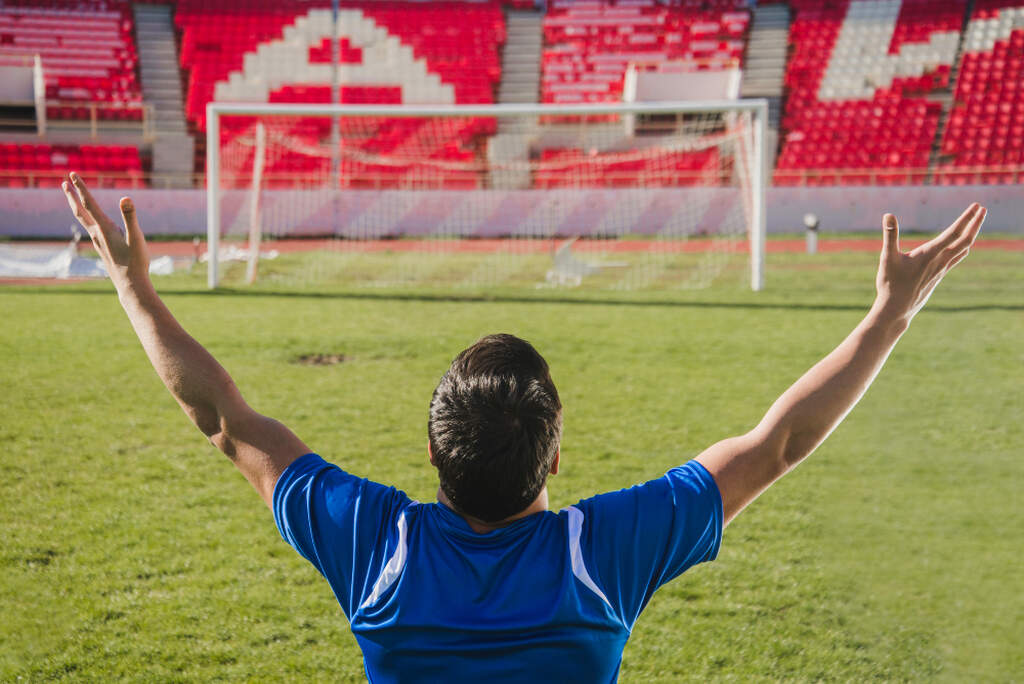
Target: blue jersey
{"x":550,"y":597}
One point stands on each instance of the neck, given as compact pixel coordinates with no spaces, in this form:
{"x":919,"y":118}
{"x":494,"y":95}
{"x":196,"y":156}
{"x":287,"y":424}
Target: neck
{"x":480,"y":527}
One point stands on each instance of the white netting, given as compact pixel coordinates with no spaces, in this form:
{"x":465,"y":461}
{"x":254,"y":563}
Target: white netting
{"x":625,"y":201}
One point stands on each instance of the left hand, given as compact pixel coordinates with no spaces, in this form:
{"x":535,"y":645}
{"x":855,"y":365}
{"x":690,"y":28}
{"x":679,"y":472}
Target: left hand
{"x":906,"y":280}
{"x":124,"y":254}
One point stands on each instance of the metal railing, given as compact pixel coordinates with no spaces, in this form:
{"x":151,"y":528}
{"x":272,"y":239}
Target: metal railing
{"x":1007,"y":174}
{"x":51,"y":178}
{"x":93,"y":113}
{"x":543,"y":179}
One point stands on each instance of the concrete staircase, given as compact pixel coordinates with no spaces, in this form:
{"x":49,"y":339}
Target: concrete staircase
{"x":765,"y":64}
{"x":765,"y":67}
{"x":945,"y":96}
{"x":509,"y":150}
{"x":520,"y":62}
{"x":173,"y":147}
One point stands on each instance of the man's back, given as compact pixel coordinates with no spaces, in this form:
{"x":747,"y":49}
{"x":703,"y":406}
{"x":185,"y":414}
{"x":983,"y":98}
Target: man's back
{"x":549,"y":597}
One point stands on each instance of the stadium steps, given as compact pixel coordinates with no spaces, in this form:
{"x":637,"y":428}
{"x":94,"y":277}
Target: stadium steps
{"x":765,"y":64}
{"x":509,"y":149}
{"x":945,"y":96}
{"x":520,"y":62}
{"x":173,"y":148}
{"x":764,"y":68}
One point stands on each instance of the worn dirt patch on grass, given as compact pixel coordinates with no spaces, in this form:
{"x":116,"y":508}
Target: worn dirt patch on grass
{"x":320,"y":359}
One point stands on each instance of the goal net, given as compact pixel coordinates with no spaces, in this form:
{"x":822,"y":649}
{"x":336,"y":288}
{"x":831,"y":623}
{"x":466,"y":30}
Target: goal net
{"x":623,"y":196}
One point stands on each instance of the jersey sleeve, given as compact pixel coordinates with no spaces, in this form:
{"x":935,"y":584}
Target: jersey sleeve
{"x":338,"y":522}
{"x":635,"y":540}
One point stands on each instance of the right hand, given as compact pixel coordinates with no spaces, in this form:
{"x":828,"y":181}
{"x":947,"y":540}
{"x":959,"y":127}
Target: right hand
{"x":124,"y":255}
{"x":906,"y":280}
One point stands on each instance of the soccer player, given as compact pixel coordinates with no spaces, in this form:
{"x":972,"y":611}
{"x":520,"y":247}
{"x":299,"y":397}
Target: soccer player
{"x":486,"y":584}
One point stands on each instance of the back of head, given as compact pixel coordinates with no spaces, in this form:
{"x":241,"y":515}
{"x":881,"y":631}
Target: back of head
{"x":495,"y":424}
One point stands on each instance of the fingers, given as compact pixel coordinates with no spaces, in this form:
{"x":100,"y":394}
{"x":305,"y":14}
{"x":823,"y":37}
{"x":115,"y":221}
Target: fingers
{"x":970,"y":232}
{"x":890,"y":236}
{"x":958,"y":258}
{"x":132,"y":231}
{"x":956,"y":229}
{"x":84,"y":218}
{"x":76,"y":206}
{"x":86,"y":199}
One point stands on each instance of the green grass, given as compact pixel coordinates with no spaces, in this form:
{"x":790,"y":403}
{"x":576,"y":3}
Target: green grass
{"x":133,"y":550}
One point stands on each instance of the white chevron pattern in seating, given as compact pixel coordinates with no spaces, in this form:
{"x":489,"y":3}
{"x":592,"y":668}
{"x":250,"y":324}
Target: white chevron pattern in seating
{"x":860,"y":62}
{"x":983,"y":34}
{"x":386,"y":62}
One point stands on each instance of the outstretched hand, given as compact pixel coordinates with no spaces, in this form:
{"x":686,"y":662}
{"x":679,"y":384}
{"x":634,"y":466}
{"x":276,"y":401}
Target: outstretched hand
{"x":124,"y":254}
{"x":906,"y":279}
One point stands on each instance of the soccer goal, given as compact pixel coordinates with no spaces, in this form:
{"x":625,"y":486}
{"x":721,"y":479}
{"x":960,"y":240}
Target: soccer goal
{"x":615,"y":196}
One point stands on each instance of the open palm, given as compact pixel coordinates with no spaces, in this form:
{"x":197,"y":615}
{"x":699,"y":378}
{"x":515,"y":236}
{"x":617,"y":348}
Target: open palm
{"x":906,"y":279}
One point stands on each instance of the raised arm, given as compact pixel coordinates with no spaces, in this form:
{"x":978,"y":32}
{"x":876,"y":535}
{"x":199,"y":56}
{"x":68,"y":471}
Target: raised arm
{"x":261,"y":447}
{"x":807,"y":412}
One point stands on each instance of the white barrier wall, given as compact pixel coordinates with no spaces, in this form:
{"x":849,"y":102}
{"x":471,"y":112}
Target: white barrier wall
{"x":926,"y":208}
{"x":44,"y":213}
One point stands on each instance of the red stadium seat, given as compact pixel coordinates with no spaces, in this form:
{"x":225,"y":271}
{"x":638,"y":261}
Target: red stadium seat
{"x":44,"y":166}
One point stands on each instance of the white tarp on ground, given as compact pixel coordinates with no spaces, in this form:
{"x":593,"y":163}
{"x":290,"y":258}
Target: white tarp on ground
{"x":31,"y":261}
{"x":34,"y":261}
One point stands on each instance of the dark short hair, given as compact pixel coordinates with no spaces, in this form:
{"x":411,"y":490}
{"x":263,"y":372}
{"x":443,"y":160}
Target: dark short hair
{"x":494,"y":428}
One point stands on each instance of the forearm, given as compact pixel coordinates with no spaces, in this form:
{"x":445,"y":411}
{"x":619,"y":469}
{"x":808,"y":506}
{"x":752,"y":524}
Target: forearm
{"x":806,"y":413}
{"x":259,"y":446}
{"x":814,"y":405}
{"x":197,"y":381}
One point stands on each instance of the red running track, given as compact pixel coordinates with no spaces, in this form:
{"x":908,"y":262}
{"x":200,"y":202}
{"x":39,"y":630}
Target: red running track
{"x":181,"y":249}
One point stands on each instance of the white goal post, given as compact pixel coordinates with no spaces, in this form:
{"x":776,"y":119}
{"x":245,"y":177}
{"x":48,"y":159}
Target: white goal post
{"x":745,"y":168}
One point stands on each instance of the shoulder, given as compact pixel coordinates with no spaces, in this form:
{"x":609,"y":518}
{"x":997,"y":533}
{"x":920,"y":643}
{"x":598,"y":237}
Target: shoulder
{"x":680,"y":485}
{"x":314,"y":493}
{"x":310,"y":475}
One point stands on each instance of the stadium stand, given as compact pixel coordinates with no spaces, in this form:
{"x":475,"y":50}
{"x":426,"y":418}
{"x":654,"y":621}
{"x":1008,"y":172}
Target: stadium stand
{"x":392,"y":52}
{"x":590,"y":43}
{"x":859,"y":77}
{"x":457,"y":41}
{"x":984,"y":136}
{"x":41,"y":165}
{"x":88,"y":54}
{"x":867,"y":82}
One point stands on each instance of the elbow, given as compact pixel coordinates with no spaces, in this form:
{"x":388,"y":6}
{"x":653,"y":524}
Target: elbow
{"x":795,"y":448}
{"x":775,"y":448}
{"x":223,"y":441}
{"x":215,"y":427}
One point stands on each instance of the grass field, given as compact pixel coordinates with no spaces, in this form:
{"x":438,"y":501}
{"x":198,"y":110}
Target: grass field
{"x":133,"y":550}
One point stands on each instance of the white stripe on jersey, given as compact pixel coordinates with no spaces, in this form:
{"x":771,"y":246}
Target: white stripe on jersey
{"x":578,"y":568}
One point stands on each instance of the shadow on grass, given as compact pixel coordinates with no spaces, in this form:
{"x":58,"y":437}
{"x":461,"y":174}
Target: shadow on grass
{"x":511,"y":298}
